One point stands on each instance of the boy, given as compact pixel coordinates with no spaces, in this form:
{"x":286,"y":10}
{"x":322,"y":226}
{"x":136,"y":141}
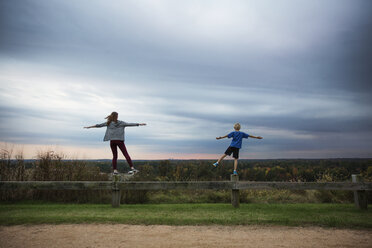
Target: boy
{"x":235,"y":145}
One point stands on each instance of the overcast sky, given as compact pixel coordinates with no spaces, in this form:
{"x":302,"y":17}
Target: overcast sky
{"x":298,"y":73}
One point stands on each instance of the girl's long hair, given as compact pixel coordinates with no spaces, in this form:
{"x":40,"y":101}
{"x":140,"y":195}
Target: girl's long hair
{"x":113,"y":117}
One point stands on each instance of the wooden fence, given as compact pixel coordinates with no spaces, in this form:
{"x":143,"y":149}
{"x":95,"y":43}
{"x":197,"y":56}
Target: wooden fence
{"x":116,"y":185}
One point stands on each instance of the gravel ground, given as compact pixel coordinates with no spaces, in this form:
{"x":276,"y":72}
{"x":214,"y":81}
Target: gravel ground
{"x":118,"y":235}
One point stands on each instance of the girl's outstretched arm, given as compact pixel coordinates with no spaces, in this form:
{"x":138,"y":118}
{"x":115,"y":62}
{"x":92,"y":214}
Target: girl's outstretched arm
{"x":98,"y":125}
{"x":126,"y":124}
{"x":90,"y":127}
{"x":221,"y":137}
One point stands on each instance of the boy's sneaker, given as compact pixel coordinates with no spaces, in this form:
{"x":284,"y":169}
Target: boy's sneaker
{"x":115,"y":172}
{"x":215,"y":164}
{"x":235,"y":173}
{"x":133,"y":171}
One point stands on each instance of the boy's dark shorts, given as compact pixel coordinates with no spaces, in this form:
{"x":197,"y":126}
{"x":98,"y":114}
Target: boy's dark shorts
{"x":233,"y":150}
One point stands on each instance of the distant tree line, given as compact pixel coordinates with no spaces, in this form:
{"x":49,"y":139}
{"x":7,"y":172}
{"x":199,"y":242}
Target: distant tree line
{"x":288,"y":170}
{"x":50,"y":166}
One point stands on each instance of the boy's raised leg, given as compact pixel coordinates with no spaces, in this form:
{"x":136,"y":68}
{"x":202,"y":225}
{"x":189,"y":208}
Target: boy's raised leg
{"x":219,"y":160}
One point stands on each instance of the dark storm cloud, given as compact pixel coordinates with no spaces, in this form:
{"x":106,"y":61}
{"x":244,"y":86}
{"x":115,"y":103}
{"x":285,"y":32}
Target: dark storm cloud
{"x":60,"y":30}
{"x":288,"y":122}
{"x":356,"y":52}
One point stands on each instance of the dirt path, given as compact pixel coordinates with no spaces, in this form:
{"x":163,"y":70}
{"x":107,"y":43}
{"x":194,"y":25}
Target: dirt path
{"x":104,"y":235}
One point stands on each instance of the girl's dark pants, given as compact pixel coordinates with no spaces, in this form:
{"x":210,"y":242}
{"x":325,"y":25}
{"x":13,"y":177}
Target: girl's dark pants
{"x":119,"y":143}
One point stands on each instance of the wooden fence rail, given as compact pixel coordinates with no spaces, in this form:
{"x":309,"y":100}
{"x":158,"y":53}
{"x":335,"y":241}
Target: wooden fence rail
{"x":234,"y":185}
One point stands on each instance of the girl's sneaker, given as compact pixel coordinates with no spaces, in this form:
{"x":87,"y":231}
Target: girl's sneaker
{"x":235,"y":173}
{"x":133,"y":171}
{"x":215,"y":164}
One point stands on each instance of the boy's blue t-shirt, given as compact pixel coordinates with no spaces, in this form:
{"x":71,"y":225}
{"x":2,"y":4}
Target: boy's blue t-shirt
{"x":237,"y":138}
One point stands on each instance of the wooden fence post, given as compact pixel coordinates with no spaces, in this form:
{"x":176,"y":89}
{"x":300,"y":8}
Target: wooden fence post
{"x":234,"y":191}
{"x":116,"y":194}
{"x":360,"y":196}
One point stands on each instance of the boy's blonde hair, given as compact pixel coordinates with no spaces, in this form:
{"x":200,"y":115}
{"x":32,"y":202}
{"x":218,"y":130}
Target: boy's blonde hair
{"x":237,"y":126}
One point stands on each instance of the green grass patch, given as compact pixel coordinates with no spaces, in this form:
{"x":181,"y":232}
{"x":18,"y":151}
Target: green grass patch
{"x":327,"y":215}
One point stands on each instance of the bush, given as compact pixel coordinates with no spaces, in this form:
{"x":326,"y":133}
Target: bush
{"x":50,"y":166}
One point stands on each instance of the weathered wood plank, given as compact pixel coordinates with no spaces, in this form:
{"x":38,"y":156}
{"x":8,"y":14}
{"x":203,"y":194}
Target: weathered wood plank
{"x":305,"y":185}
{"x":192,"y":185}
{"x":116,"y":195}
{"x":235,"y":197}
{"x":360,"y":196}
{"x":155,"y":185}
{"x":56,"y":185}
{"x":116,"y":192}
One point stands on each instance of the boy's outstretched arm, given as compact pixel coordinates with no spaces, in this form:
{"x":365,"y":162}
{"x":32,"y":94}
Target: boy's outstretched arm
{"x":255,"y":137}
{"x":221,"y":137}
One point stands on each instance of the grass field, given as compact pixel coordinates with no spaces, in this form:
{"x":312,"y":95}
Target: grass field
{"x":326,"y":215}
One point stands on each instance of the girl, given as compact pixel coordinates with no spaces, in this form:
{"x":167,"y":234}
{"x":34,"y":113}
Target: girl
{"x":115,"y":134}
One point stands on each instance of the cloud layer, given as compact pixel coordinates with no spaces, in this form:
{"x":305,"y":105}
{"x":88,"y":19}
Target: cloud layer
{"x":295,"y":72}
